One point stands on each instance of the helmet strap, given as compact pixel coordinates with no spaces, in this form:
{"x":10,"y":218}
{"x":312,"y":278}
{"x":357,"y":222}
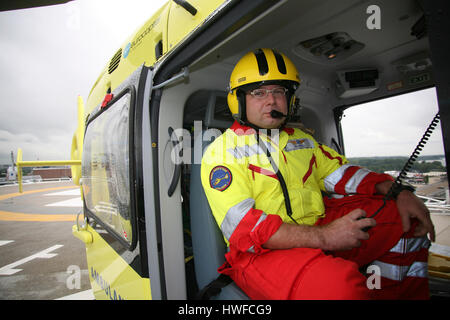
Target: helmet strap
{"x":240,"y":95}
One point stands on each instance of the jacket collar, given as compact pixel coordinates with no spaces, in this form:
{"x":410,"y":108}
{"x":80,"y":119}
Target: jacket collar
{"x":242,"y":130}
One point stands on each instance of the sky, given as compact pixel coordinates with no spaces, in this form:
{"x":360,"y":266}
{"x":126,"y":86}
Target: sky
{"x":392,"y":126}
{"x":49,"y":56}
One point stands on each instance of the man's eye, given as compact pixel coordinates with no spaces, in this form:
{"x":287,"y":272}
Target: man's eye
{"x":259,"y":93}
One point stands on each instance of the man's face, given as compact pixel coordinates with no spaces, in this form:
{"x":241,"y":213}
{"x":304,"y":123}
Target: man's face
{"x":258,"y":109}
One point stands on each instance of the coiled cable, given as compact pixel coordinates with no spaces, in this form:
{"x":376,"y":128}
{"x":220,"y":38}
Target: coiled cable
{"x":397,"y":186}
{"x":408,"y":165}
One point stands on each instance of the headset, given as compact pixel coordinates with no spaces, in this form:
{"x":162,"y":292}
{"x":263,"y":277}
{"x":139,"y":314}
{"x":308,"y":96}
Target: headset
{"x":257,"y":68}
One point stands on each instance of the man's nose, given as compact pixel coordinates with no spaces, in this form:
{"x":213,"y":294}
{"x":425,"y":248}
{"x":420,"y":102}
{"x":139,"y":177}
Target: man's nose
{"x":270,"y":96}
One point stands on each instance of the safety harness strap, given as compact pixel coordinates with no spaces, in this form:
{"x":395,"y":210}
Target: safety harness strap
{"x":214,"y":287}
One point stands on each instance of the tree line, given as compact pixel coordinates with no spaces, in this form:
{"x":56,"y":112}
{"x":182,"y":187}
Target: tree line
{"x":381,"y":164}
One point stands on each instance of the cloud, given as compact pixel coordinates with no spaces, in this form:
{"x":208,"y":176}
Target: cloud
{"x":392,"y":127}
{"x":49,"y":56}
{"x":54,"y":147}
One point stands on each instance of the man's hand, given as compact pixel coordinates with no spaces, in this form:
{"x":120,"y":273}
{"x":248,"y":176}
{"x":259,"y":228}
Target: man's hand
{"x":341,"y":234}
{"x":410,"y":206}
{"x":346,"y":232}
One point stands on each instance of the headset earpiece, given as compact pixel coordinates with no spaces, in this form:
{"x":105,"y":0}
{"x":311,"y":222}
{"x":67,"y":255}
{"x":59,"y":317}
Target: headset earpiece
{"x":233,"y":104}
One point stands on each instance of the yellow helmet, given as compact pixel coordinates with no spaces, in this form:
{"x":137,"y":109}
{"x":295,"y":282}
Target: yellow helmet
{"x":257,"y":68}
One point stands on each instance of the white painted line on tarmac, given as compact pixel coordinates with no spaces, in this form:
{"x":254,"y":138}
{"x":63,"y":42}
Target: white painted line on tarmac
{"x":3,"y":242}
{"x":75,"y":202}
{"x":44,"y":254}
{"x":71,"y":192}
{"x":83,"y":295}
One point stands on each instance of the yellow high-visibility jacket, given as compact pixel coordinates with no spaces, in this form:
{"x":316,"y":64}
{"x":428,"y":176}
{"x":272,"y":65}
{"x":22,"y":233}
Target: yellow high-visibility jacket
{"x":244,"y":192}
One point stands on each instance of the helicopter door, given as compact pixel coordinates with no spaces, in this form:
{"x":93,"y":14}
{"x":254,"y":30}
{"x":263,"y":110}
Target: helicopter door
{"x":113,"y":196}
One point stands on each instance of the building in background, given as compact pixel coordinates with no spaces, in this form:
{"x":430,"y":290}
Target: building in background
{"x":52,"y":173}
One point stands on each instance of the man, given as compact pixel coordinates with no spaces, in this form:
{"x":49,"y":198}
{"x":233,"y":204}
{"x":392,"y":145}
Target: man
{"x":264,"y":183}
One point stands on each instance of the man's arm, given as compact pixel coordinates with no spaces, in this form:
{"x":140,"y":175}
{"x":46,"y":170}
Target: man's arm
{"x":410,"y":206}
{"x":346,"y":232}
{"x":341,"y":234}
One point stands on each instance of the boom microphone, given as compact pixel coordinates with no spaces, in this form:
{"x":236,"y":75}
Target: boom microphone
{"x":277,"y":114}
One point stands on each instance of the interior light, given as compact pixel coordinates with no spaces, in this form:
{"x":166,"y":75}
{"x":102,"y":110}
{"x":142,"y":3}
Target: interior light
{"x":333,"y":47}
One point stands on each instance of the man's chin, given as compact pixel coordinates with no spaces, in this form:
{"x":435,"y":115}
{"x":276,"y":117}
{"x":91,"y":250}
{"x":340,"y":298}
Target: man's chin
{"x":272,"y":124}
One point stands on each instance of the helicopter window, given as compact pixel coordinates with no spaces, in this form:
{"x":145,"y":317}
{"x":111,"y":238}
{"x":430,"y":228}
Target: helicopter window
{"x":382,"y":134}
{"x":372,"y":129}
{"x":106,"y":172}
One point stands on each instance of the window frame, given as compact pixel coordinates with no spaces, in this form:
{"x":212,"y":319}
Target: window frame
{"x":338,"y":112}
{"x":130,"y":246}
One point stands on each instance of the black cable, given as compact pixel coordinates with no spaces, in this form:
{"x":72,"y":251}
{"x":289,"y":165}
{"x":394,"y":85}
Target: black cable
{"x":287,"y":200}
{"x":417,"y":150}
{"x":398,"y":186}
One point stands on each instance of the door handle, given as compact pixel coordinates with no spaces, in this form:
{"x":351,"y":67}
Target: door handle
{"x":82,"y":233}
{"x":187,"y":6}
{"x":178,"y":165}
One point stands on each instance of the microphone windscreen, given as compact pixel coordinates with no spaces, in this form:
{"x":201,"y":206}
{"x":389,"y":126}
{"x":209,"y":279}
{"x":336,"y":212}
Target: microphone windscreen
{"x":277,"y":114}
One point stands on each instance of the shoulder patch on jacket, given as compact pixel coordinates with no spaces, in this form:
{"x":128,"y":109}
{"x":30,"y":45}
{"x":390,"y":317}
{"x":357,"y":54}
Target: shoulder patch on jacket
{"x":299,"y":144}
{"x":220,"y":178}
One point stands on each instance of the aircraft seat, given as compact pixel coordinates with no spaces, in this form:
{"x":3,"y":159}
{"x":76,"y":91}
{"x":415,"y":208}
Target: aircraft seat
{"x":207,"y":241}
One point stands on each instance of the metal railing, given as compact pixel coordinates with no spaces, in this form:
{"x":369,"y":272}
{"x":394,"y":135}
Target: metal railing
{"x":55,"y":163}
{"x":436,"y":206}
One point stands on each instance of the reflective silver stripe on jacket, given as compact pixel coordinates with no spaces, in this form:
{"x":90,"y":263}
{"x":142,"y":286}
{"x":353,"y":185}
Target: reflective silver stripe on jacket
{"x":235,"y":215}
{"x":353,"y":183}
{"x":333,"y":178}
{"x":411,"y":245}
{"x":248,"y":151}
{"x":261,"y":219}
{"x":398,"y":273}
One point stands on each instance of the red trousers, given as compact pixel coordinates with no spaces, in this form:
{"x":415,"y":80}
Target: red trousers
{"x":396,"y":263}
